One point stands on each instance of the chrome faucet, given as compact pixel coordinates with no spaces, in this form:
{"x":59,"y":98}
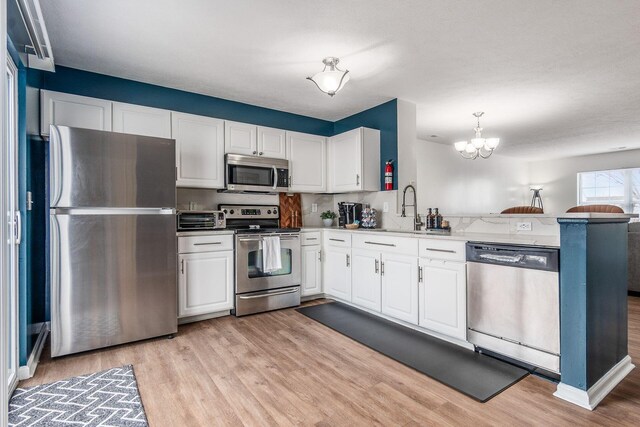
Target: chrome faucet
{"x":417,"y":222}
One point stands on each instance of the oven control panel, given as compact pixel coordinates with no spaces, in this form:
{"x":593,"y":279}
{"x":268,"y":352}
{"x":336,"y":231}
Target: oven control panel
{"x":250,"y":212}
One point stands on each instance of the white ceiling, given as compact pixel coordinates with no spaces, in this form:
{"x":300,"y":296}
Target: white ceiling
{"x":555,"y":78}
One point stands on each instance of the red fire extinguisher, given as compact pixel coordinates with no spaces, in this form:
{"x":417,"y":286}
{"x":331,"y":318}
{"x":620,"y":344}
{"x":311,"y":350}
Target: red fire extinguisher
{"x":388,"y":175}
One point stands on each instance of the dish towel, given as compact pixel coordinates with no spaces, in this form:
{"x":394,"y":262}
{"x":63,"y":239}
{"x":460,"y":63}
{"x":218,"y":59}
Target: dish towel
{"x":271,"y":260}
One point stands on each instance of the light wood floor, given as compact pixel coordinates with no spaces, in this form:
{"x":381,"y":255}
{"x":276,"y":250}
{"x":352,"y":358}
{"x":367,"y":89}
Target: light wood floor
{"x":282,"y":368}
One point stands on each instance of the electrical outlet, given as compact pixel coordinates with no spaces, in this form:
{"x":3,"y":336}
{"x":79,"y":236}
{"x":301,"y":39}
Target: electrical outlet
{"x":523,"y":226}
{"x":314,"y":207}
{"x":385,"y":207}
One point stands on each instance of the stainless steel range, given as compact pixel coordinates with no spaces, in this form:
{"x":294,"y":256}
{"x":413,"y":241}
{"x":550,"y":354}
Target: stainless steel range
{"x":257,"y":288}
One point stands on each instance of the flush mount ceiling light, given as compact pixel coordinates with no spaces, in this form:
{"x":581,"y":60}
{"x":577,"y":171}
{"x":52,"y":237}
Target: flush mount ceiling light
{"x":331,"y":79}
{"x":479,"y":146}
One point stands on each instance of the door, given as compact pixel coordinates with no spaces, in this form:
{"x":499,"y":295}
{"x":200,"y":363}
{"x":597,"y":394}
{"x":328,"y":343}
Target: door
{"x":311,"y":270}
{"x":113,"y":278}
{"x":205,"y":283}
{"x":400,"y":287}
{"x":337,"y":273}
{"x":199,"y":150}
{"x":11,"y":234}
{"x":251,"y":277}
{"x":443,"y":297}
{"x":240,"y":138}
{"x":89,"y":168}
{"x":139,"y":120}
{"x":65,"y":109}
{"x":365,"y":278}
{"x":345,"y":162}
{"x":307,"y":162}
{"x":272,"y":143}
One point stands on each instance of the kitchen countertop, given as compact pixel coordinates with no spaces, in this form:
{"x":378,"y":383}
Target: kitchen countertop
{"x":515,"y":239}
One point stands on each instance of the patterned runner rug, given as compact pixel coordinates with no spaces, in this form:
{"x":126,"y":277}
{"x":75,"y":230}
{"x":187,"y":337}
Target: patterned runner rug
{"x":107,"y":398}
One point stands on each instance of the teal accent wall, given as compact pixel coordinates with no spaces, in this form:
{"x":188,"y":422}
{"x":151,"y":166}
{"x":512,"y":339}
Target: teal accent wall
{"x":385,"y":118}
{"x":593,"y":298}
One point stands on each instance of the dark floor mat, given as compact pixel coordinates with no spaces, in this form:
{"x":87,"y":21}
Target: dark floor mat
{"x":476,"y":375}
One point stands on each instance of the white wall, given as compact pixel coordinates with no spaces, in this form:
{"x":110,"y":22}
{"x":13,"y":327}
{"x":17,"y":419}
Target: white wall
{"x":460,"y":186}
{"x":559,"y":180}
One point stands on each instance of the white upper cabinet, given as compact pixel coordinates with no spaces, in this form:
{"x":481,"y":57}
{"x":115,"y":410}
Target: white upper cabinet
{"x":400,"y":287}
{"x":73,"y":110}
{"x":443,"y":297}
{"x":252,"y":140}
{"x":307,"y":162}
{"x":272,"y":143}
{"x":140,"y":120}
{"x":240,"y":138}
{"x":199,"y":150}
{"x":354,"y":161}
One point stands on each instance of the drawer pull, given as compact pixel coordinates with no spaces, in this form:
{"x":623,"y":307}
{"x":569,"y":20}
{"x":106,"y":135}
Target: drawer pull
{"x":208,"y":243}
{"x":449,"y":251}
{"x":381,"y":244}
{"x":336,"y":240}
{"x":311,"y":238}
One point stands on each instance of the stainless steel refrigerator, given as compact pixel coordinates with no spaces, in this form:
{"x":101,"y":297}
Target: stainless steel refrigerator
{"x":112,"y":238}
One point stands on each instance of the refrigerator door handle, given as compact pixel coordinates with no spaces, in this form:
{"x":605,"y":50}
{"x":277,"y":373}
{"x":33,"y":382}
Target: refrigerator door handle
{"x":55,"y":149}
{"x":112,"y":211}
{"x":55,"y":280}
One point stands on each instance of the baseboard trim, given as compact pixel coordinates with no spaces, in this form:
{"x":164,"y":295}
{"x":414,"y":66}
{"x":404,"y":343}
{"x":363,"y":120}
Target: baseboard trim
{"x":27,"y":371}
{"x":589,"y":399}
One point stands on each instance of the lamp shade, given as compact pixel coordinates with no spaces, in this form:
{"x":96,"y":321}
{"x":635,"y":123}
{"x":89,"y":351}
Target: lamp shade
{"x":330,"y":81}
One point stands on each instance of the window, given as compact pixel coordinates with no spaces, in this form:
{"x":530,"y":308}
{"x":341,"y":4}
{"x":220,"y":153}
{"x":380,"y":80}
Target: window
{"x":620,"y":187}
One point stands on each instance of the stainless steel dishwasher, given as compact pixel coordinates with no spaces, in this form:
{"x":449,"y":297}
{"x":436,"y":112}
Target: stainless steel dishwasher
{"x":513,"y":302}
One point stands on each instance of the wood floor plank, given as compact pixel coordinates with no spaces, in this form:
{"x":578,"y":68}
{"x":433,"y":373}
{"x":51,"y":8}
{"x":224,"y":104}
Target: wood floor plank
{"x":282,"y":368}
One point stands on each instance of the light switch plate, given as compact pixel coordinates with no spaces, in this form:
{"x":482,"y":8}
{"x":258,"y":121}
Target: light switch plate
{"x":385,"y":207}
{"x":314,"y":207}
{"x":523,"y":226}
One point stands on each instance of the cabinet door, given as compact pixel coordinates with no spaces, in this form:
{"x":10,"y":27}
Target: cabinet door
{"x":307,"y":162}
{"x":345,"y":162}
{"x":199,"y":150}
{"x":311,"y":270}
{"x":272,"y":143}
{"x":205,"y":283}
{"x":73,"y":110}
{"x":443,"y":299}
{"x":139,"y":120}
{"x":337,"y":273}
{"x":240,"y":138}
{"x":365,"y":278}
{"x":400,"y":287}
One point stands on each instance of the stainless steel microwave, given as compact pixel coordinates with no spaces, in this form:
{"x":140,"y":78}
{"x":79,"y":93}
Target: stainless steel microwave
{"x":257,"y":174}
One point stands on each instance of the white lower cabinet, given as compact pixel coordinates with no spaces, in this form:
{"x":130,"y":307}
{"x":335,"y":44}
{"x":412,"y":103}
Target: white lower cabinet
{"x":205,"y":279}
{"x":365,"y":278}
{"x":443,"y":297}
{"x":400,"y":287}
{"x":311,"y":270}
{"x":336,"y":272}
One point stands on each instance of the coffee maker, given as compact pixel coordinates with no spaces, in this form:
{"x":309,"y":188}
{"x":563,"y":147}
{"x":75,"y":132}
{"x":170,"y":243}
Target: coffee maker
{"x":348,"y":212}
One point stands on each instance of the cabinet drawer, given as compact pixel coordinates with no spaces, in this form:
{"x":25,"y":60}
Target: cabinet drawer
{"x":192,"y":244}
{"x":311,"y":238}
{"x":389,"y":244}
{"x":337,"y":239}
{"x":442,"y":249}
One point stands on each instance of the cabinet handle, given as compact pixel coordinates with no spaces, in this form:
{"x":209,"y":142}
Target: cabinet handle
{"x":336,"y":240}
{"x":449,"y":251}
{"x":207,"y":243}
{"x":255,"y":152}
{"x":382,"y":268}
{"x":181,"y":266}
{"x":419,"y":274}
{"x":320,"y":256}
{"x":260,"y":153}
{"x":348,"y":260}
{"x":381,"y":244}
{"x":311,"y":238}
{"x":289,"y":180}
{"x":357,"y":179}
{"x":377,"y":269}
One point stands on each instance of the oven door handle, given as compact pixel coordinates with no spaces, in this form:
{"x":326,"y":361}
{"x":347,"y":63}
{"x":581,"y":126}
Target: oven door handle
{"x":269,"y":294}
{"x":259,"y":239}
{"x":275,"y":177}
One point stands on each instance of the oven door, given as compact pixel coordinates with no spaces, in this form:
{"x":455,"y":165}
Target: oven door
{"x":249,"y":274}
{"x":248,"y":173}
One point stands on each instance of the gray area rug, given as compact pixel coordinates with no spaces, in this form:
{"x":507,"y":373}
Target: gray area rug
{"x":107,"y":398}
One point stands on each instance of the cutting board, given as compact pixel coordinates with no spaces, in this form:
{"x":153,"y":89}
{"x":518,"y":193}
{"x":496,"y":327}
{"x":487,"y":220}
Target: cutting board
{"x":290,"y":210}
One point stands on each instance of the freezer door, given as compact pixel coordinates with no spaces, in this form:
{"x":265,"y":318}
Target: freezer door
{"x":113,"y":279}
{"x":90,"y":168}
